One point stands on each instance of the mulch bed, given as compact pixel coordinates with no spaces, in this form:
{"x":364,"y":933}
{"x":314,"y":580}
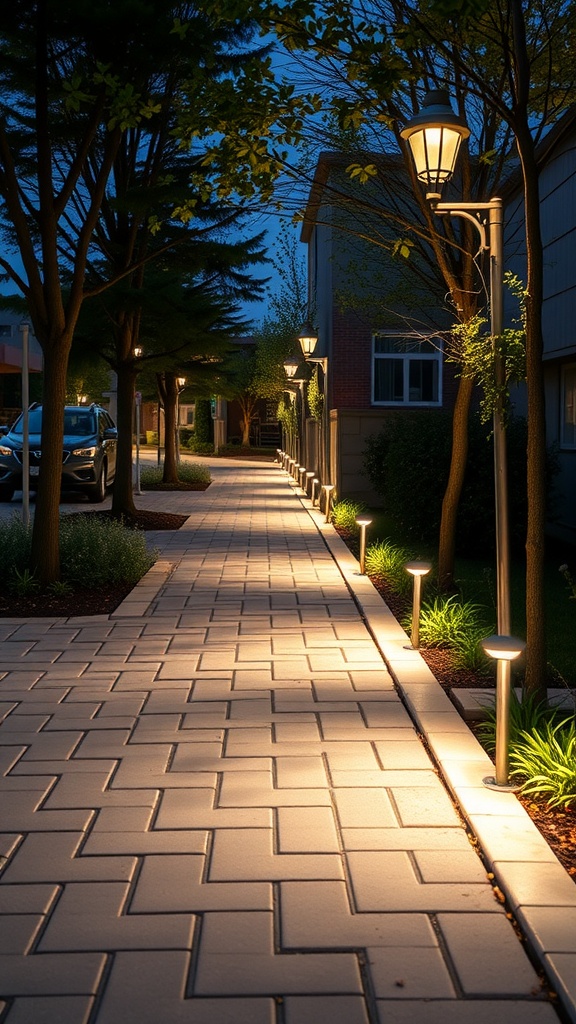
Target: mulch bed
{"x":143,"y":519}
{"x":82,"y":600}
{"x":180,"y":486}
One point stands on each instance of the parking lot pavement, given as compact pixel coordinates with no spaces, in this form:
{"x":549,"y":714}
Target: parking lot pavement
{"x":217,"y":805}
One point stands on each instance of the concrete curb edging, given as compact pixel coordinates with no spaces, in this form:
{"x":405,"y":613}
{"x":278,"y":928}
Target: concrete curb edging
{"x":538,"y":891}
{"x":146,"y":590}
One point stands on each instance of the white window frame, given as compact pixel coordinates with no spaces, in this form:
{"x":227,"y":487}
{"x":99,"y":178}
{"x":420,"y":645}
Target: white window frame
{"x":406,"y":358}
{"x":568,"y":406}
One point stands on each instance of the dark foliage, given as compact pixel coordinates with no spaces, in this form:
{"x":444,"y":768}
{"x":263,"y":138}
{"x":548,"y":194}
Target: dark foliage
{"x":407,"y":464}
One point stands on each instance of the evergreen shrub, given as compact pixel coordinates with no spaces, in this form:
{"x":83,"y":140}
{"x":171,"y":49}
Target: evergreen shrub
{"x":408,"y":464}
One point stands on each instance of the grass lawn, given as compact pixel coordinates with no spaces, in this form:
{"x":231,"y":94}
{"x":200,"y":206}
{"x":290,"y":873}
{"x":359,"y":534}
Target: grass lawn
{"x":476,"y":578}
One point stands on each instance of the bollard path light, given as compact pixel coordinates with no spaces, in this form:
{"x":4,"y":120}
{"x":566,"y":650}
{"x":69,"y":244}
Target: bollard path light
{"x":504,"y":650}
{"x":309,"y":475}
{"x":301,"y":474}
{"x":327,"y":488}
{"x":417,"y":570}
{"x":315,"y":496}
{"x":363,"y":521}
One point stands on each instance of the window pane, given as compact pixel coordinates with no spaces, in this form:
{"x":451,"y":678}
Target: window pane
{"x":423,"y":380}
{"x":388,"y":380}
{"x":385,"y":343}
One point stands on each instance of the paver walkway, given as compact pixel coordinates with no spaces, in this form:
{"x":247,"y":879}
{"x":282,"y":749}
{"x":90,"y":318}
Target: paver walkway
{"x":216,"y":806}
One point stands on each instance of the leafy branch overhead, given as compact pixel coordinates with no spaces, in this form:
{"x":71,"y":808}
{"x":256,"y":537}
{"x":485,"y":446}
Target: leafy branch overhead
{"x":474,"y":351}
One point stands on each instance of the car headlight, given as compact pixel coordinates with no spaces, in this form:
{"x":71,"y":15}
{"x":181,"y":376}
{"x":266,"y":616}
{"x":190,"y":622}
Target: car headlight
{"x":86,"y":453}
{"x":5,"y":451}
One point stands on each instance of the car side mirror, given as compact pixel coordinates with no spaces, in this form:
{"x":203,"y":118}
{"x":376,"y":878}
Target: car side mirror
{"x":4,"y":429}
{"x":110,"y":434}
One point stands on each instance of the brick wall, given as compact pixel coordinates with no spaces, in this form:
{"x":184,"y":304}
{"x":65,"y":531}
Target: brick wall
{"x":350,"y":369}
{"x":351,"y":362}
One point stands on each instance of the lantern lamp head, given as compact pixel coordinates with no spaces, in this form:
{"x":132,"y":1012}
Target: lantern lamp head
{"x":434,"y":136}
{"x":308,"y":338}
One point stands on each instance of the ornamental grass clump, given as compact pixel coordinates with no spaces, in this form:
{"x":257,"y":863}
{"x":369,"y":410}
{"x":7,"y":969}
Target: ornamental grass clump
{"x":528,"y":715}
{"x":457,"y":625}
{"x":344,"y":514}
{"x":385,"y":561}
{"x":96,"y":551}
{"x":546,"y":759}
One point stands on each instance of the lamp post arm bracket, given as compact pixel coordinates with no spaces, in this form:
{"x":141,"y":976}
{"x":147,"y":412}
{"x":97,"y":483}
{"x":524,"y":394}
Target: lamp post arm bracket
{"x":470,"y":211}
{"x":465,"y":215}
{"x":322,"y":360}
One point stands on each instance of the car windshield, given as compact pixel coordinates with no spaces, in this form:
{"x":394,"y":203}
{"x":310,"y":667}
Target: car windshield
{"x":78,"y":422}
{"x":81,"y":424}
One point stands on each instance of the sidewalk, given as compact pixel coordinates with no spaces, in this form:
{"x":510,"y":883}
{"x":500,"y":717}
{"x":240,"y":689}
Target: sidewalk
{"x":216,"y":807}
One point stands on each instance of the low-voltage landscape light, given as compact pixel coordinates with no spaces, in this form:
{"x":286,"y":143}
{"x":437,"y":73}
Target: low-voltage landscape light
{"x":327,"y":488}
{"x":363,"y":522}
{"x":417,"y":570}
{"x":504,"y":650}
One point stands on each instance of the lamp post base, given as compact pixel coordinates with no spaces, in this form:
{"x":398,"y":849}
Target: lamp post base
{"x":502,"y":787}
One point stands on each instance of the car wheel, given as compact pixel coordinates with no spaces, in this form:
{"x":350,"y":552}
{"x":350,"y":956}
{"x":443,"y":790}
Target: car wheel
{"x":6,"y":492}
{"x":97,"y":493}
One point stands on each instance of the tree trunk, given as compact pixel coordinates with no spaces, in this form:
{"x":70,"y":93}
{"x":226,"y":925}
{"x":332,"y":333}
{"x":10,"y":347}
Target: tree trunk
{"x":170,"y":398}
{"x":248,"y":405}
{"x":451,"y":499}
{"x":123,"y":495}
{"x":45,"y":555}
{"x":245,"y":427}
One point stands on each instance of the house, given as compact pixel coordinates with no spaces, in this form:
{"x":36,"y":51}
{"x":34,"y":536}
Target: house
{"x":557,"y":162}
{"x":11,"y":363}
{"x":380,"y":325}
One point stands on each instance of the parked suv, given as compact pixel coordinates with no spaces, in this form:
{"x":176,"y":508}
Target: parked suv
{"x":89,"y":456}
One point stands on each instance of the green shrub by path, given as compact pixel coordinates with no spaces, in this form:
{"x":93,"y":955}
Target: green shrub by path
{"x":408,"y":463}
{"x":188,"y":473}
{"x":200,"y":447}
{"x":344,"y":514}
{"x":15,"y":545}
{"x":203,"y":421}
{"x":93,"y":552}
{"x":386,"y":561}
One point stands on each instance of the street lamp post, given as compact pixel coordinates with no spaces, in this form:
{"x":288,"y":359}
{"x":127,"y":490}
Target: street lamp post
{"x":308,"y":338}
{"x":25,"y":329}
{"x":180,"y":385}
{"x":291,"y":366}
{"x":137,"y":408}
{"x":434,"y":136}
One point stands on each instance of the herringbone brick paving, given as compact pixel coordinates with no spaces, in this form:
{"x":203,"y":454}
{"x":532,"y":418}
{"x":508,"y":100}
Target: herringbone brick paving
{"x":216,"y":807}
